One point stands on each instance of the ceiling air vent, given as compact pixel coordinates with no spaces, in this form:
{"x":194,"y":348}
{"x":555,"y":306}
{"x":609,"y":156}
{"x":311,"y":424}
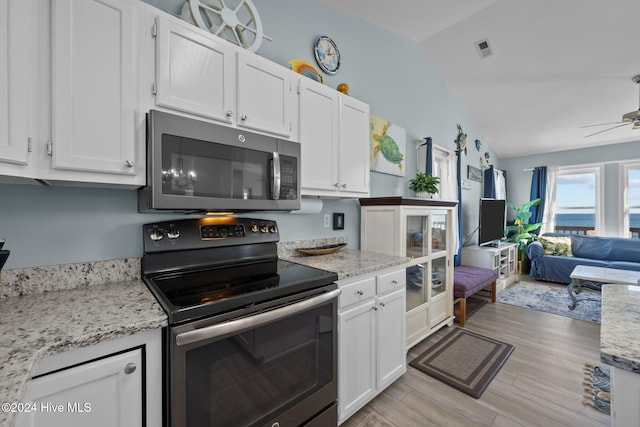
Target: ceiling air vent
{"x":484,"y":49}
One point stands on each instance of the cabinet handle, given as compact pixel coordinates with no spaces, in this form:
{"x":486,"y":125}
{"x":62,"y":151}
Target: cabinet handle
{"x":130,"y":368}
{"x":243,"y":117}
{"x":382,"y":304}
{"x":344,"y":185}
{"x":229,"y":113}
{"x":395,"y":282}
{"x":337,"y":185}
{"x":360,"y":293}
{"x":129,"y":163}
{"x":374,"y":308}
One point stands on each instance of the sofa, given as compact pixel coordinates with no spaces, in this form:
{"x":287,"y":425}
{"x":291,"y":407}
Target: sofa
{"x":554,"y":256}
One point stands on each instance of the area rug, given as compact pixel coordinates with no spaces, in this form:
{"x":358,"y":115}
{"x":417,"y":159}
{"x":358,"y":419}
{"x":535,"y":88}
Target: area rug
{"x":473,"y":305}
{"x":553,"y":298}
{"x":464,"y":360}
{"x":597,"y":387}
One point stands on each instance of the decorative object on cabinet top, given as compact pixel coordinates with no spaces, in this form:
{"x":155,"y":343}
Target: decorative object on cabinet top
{"x":327,"y":54}
{"x":410,"y":201}
{"x":343,"y":87}
{"x":425,"y":185}
{"x":389,"y":140}
{"x":236,"y":21}
{"x":305,"y":68}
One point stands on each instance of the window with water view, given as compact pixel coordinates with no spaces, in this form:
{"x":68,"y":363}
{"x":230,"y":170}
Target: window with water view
{"x":576,"y":201}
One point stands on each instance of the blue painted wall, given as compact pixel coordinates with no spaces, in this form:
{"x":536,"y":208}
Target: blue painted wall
{"x":55,"y":225}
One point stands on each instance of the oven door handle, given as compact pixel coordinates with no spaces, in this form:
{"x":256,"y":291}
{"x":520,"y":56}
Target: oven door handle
{"x":254,"y":321}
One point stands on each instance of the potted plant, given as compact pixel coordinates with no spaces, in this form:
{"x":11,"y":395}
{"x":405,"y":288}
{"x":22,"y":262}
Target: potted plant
{"x":424,"y":184}
{"x":521,"y":232}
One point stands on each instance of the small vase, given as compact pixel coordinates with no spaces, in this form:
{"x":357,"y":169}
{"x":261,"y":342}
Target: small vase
{"x":424,"y":195}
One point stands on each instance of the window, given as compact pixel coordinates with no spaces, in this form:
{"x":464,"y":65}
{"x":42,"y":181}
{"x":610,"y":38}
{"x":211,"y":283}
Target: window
{"x":443,"y":167}
{"x":578,"y":206}
{"x":631,"y":200}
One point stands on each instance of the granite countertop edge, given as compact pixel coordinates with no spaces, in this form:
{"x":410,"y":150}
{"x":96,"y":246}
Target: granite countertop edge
{"x":619,"y":335}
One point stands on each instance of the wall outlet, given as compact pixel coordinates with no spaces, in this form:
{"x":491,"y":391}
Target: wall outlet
{"x":327,"y":220}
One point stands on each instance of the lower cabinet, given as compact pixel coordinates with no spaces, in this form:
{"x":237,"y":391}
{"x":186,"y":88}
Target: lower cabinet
{"x":372,"y":338}
{"x":101,"y":387}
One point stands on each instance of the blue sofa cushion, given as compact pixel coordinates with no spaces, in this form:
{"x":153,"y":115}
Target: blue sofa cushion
{"x":559,"y":268}
{"x":625,"y":265}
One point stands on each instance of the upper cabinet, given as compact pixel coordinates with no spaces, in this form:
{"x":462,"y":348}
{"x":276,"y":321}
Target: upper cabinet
{"x":94,"y":92}
{"x":17,"y":86}
{"x":200,"y":74}
{"x":334,"y":134}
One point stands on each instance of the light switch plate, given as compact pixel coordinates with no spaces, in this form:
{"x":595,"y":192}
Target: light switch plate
{"x":327,"y":220}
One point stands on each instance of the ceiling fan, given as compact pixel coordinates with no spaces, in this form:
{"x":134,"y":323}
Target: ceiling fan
{"x":632,"y":118}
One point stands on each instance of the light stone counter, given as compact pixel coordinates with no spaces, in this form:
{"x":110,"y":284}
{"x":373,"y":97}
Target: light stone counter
{"x":619,"y":327}
{"x":345,"y":262}
{"x":36,"y":324}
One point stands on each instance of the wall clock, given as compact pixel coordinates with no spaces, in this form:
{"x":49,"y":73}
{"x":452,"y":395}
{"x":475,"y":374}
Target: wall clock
{"x":327,"y":54}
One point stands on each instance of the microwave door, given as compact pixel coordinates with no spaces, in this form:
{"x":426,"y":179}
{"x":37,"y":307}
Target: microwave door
{"x":276,"y":179}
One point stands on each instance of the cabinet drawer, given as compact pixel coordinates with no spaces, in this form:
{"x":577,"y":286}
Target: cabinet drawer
{"x":391,"y":281}
{"x":357,"y":291}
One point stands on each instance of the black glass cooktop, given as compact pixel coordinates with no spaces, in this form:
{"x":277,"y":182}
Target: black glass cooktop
{"x":196,"y":294}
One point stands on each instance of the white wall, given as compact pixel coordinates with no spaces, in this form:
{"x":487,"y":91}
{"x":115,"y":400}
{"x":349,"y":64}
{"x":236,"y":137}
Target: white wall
{"x":54,"y":225}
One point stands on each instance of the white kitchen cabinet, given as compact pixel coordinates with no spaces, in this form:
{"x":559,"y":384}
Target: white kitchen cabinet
{"x":334,"y":135}
{"x":371,"y":325}
{"x":422,"y":230}
{"x":96,"y":130}
{"x":17,"y":86}
{"x":502,"y":259}
{"x":102,"y":385}
{"x":193,"y":74}
{"x":198,"y":73}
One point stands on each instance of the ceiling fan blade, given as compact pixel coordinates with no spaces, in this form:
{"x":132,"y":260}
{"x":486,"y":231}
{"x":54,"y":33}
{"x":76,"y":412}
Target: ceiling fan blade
{"x":600,"y":124}
{"x":587,"y":136}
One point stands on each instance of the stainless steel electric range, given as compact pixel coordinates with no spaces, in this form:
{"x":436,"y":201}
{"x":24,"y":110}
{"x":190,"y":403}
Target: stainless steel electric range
{"x":252,"y":340}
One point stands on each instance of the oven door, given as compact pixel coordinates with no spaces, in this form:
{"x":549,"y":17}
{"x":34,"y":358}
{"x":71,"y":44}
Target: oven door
{"x":276,"y":366}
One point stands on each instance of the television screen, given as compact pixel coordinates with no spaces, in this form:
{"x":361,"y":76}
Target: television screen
{"x":492,"y":221}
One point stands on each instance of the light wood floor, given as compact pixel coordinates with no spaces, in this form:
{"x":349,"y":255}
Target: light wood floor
{"x":539,"y":385}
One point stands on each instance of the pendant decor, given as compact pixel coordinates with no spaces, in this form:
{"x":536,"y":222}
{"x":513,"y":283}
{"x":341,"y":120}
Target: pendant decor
{"x":461,"y":140}
{"x":236,"y":21}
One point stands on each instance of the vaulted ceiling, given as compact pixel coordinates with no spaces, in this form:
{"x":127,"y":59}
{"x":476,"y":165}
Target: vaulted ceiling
{"x":556,"y":65}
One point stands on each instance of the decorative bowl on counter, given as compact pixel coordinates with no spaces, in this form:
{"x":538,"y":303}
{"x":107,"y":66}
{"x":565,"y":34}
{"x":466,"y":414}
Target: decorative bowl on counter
{"x":322,"y":250}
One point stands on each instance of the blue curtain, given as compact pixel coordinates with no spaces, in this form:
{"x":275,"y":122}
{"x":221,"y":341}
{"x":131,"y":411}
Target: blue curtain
{"x":457,"y":257}
{"x":489,"y":183}
{"x":429,"y":143}
{"x":538,"y":191}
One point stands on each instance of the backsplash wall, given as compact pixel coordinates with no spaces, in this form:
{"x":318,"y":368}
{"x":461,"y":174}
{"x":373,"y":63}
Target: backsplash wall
{"x":56,"y":225}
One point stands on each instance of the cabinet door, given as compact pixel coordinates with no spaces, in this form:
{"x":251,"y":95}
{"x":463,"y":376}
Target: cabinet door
{"x":104,"y":393}
{"x":319,"y":111}
{"x":94,"y":86}
{"x":17,"y":62}
{"x":356,"y":368}
{"x":265,"y":95}
{"x":391,"y":338}
{"x":194,"y":74}
{"x":353,"y":156}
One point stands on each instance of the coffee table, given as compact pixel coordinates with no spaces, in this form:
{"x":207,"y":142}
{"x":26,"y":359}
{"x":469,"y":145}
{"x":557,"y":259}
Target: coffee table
{"x":595,"y":277}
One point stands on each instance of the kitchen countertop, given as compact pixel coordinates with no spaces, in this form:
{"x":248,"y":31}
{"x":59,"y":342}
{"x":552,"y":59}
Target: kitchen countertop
{"x":35,"y":325}
{"x":345,"y":262}
{"x":619,"y":332}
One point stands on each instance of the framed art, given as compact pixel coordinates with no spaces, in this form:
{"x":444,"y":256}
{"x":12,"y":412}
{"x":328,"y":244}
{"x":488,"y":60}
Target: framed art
{"x":474,"y":174}
{"x":338,"y":221}
{"x":387,"y":146}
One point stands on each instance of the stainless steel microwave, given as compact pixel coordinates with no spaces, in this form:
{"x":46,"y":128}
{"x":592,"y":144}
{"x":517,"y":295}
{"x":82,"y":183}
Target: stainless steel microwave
{"x":193,"y":165}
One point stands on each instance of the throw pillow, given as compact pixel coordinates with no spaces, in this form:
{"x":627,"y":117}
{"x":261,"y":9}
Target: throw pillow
{"x":556,"y":245}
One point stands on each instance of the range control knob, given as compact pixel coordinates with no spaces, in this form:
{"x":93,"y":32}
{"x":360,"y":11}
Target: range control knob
{"x":173,"y":232}
{"x":263,"y":228}
{"x":254,"y":228}
{"x":156,"y":234}
{"x":272,"y":229}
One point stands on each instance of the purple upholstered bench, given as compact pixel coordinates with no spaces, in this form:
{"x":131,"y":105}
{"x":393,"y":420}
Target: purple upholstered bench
{"x":468,"y":280}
